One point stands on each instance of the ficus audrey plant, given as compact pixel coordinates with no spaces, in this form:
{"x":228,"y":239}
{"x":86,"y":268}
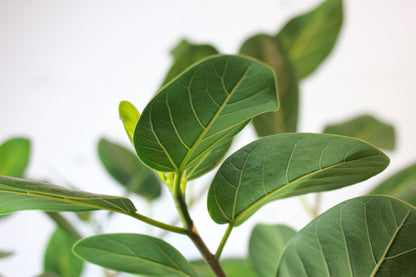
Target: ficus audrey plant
{"x":186,"y":130}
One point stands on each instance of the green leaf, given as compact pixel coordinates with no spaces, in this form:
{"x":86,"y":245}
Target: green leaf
{"x":134,"y":253}
{"x":124,"y":166}
{"x":309,"y":38}
{"x":186,"y":54}
{"x":366,"y":236}
{"x":286,"y":165}
{"x":129,"y":115}
{"x":48,"y":274}
{"x":201,"y":109}
{"x":14,"y":157}
{"x":21,"y":194}
{"x":233,"y":267}
{"x":267,"y":49}
{"x":401,"y":185}
{"x":267,"y":243}
{"x":5,"y":254}
{"x":367,"y":128}
{"x":59,"y":258}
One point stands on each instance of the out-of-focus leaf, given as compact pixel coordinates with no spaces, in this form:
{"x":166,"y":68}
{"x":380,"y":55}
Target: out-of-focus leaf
{"x":129,"y":115}
{"x":124,"y":166}
{"x":267,"y":49}
{"x":14,"y":157}
{"x":5,"y":254}
{"x":367,"y":128}
{"x":233,"y":267}
{"x":309,"y":38}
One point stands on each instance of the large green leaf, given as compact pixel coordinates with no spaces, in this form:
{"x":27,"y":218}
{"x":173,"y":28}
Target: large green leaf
{"x":367,"y":128}
{"x":309,"y":38}
{"x":267,"y":243}
{"x":14,"y":157}
{"x":267,"y":49}
{"x":129,"y":115}
{"x":59,"y":258}
{"x":366,"y":236}
{"x":21,"y":194}
{"x":233,"y":267}
{"x":128,"y":170}
{"x":186,"y":54}
{"x":134,"y":253}
{"x":285,"y":165}
{"x":401,"y":185}
{"x":201,"y":109}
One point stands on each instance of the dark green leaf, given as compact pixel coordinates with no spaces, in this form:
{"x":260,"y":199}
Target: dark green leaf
{"x":5,"y":254}
{"x":401,"y":185}
{"x":267,"y":49}
{"x":59,"y":258}
{"x":233,"y":267}
{"x":186,"y":54}
{"x":309,"y":38}
{"x":14,"y":157}
{"x":134,"y":253}
{"x":286,"y":165}
{"x":366,"y":236}
{"x":203,"y":108}
{"x":267,"y":243}
{"x":367,"y":128}
{"x":129,"y":115}
{"x":21,"y":194}
{"x":128,"y":170}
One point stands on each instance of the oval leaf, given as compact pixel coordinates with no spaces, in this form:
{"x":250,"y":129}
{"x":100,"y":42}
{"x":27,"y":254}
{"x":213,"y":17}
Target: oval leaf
{"x":367,"y":128}
{"x":267,"y":243}
{"x":267,"y":49}
{"x":14,"y":157}
{"x":285,"y":165}
{"x":134,"y":253}
{"x":129,"y":115}
{"x":401,"y":185}
{"x":233,"y":267}
{"x":201,"y":109}
{"x":128,"y":170}
{"x":59,"y":258}
{"x":366,"y":236}
{"x":309,"y":38}
{"x":20,"y":194}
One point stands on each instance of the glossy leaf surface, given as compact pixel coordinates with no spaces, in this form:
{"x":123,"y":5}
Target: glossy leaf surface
{"x":59,"y":258}
{"x":266,"y":245}
{"x":134,"y":253}
{"x":309,"y":38}
{"x":124,"y":166}
{"x":265,"y":48}
{"x":21,"y":194}
{"x":185,"y":54}
{"x":401,"y":185}
{"x":129,"y":115}
{"x":233,"y":267}
{"x":286,"y":165}
{"x":14,"y":157}
{"x":201,"y":109}
{"x":366,"y":236}
{"x":367,"y":128}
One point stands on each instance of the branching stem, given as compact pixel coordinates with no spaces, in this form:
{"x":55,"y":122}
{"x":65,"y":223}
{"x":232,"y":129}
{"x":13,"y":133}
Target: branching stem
{"x":159,"y":224}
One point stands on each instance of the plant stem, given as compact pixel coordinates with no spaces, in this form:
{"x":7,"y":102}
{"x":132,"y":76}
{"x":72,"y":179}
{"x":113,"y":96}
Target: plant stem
{"x":317,"y":207}
{"x":159,"y":224}
{"x":223,"y":241}
{"x":64,"y":224}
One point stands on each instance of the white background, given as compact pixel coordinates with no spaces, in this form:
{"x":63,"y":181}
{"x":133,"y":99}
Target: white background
{"x":65,"y":66}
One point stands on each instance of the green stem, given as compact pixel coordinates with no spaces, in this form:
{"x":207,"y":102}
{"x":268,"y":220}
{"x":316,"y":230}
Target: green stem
{"x":223,"y":241}
{"x":317,"y":207}
{"x":159,"y":224}
{"x":64,"y":224}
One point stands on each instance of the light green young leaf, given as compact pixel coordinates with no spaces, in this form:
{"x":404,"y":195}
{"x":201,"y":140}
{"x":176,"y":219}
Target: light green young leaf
{"x":134,"y":253}
{"x":186,"y":54}
{"x":401,"y":185}
{"x":14,"y":157}
{"x":202,"y":109}
{"x":233,"y":267}
{"x":365,"y":236}
{"x":129,"y":115}
{"x":286,"y":165}
{"x":309,"y":38}
{"x":266,"y":245}
{"x":267,"y":49}
{"x":367,"y":128}
{"x":124,"y":166}
{"x":21,"y":194}
{"x":59,"y":258}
